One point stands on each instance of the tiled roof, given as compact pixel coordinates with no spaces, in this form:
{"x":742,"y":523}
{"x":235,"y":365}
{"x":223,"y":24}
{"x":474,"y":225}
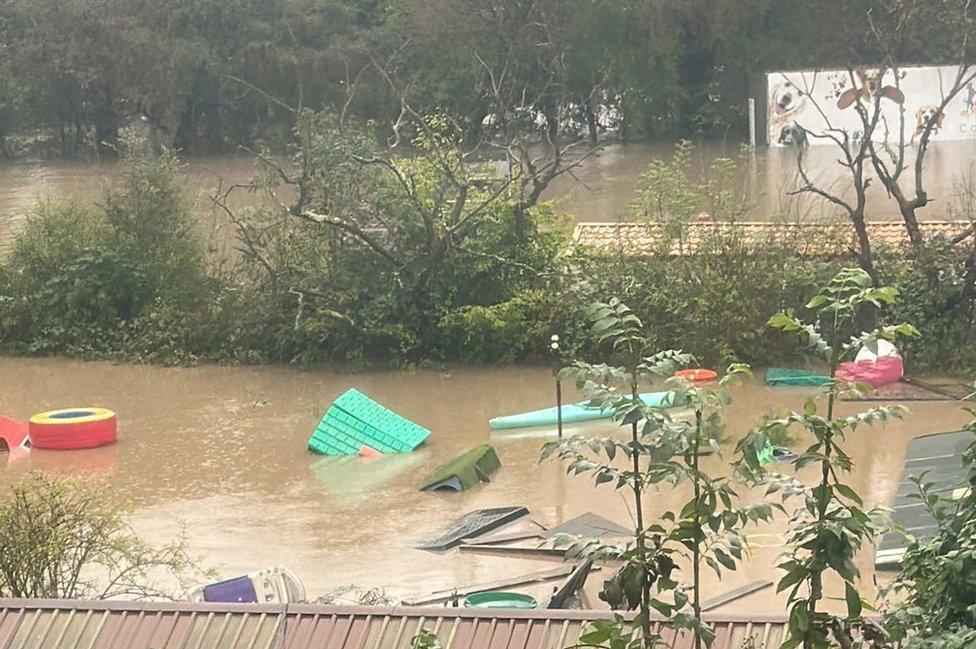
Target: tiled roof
{"x":808,"y":238}
{"x":63,"y":624}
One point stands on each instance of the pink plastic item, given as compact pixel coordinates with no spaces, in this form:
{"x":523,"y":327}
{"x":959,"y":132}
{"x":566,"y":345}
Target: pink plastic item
{"x":884,"y":371}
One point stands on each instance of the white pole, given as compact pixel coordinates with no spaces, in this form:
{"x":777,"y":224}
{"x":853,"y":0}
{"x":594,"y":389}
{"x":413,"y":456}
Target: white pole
{"x":752,"y":122}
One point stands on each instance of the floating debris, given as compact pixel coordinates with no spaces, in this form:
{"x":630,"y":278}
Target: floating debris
{"x":272,"y":586}
{"x":590,"y":526}
{"x":473,"y":524}
{"x":572,"y":413}
{"x":792,"y":377}
{"x":940,"y":456}
{"x":464,"y":471}
{"x":354,"y":421}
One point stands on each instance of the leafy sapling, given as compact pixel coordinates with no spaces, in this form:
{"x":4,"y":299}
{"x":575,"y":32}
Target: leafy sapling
{"x":662,"y":449}
{"x":830,"y":525}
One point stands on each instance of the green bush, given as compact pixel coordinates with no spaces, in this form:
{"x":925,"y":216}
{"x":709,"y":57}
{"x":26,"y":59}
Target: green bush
{"x":937,"y":295}
{"x":84,"y":280}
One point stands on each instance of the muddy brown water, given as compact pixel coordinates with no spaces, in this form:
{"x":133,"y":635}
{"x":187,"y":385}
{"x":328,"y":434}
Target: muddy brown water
{"x":220,"y":452}
{"x":601,"y":190}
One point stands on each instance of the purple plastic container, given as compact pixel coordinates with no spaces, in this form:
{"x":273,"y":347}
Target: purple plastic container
{"x":238,"y":589}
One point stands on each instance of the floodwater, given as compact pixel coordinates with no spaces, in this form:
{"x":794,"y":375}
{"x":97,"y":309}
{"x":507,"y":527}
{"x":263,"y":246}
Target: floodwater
{"x":220,"y":452}
{"x":602,"y":189}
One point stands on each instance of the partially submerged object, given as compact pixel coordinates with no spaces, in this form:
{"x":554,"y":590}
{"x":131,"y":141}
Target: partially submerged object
{"x":697,"y":375}
{"x":72,"y":429}
{"x":877,"y":373}
{"x":355,"y":421}
{"x":563,"y":596}
{"x":879,"y":365}
{"x":473,"y":524}
{"x":940,"y":456}
{"x":772,"y":453}
{"x":734,"y":594}
{"x":590,"y":526}
{"x":520,"y":530}
{"x":13,"y":435}
{"x":451,"y":594}
{"x":272,"y":586}
{"x":500,"y":599}
{"x":881,"y":349}
{"x":793,"y":377}
{"x":464,"y":471}
{"x":571,"y":413}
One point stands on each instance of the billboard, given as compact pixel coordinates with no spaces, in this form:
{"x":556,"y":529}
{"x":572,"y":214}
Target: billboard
{"x":820,"y":100}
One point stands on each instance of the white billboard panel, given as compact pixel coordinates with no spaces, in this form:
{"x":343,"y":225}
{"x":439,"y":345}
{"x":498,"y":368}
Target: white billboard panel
{"x":821,"y":100}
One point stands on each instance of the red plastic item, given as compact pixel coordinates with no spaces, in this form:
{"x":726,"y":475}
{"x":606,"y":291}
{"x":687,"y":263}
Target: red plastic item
{"x":369,"y":453}
{"x":13,"y":433}
{"x":884,"y":371}
{"x":73,"y":429}
{"x":697,"y":375}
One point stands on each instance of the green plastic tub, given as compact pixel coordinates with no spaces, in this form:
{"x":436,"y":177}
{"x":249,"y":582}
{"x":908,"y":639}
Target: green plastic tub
{"x":500,"y":599}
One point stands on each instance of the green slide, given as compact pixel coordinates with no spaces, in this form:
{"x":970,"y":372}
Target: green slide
{"x":572,"y":413}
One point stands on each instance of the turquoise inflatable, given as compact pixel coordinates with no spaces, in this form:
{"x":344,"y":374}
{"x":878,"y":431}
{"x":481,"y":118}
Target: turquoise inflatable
{"x":572,"y":413}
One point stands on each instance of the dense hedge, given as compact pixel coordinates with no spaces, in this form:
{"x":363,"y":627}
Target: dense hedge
{"x":128,"y":278}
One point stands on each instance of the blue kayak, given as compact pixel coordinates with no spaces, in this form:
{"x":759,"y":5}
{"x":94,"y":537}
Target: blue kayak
{"x":572,"y":413}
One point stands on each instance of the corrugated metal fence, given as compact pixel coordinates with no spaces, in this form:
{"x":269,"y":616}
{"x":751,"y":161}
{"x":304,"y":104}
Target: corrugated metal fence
{"x":63,"y":624}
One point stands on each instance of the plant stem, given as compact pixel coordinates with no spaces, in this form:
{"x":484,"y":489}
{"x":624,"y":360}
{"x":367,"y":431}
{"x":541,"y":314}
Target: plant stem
{"x":826,"y":443}
{"x":696,"y":551}
{"x":639,"y":505}
{"x":559,"y":407}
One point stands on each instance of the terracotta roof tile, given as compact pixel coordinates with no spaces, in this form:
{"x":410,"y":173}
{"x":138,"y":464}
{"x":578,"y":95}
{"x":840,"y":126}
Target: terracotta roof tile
{"x":810,"y":238}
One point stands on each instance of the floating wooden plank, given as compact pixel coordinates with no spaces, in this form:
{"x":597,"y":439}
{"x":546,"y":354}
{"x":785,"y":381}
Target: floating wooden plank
{"x":576,"y":580}
{"x":516,"y":551}
{"x":448,"y":594}
{"x":734,"y":594}
{"x":940,"y":457}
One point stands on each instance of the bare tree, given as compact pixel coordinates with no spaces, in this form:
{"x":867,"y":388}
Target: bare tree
{"x":891,"y":160}
{"x":854,"y":150}
{"x":883,"y":148}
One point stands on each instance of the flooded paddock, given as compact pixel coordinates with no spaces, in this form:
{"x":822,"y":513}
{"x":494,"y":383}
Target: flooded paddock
{"x":602,"y":189}
{"x":220,"y":453}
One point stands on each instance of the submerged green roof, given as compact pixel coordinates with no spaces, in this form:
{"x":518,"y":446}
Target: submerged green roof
{"x":464,"y":471}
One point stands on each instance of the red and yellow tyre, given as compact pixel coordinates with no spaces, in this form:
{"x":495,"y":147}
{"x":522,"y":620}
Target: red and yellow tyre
{"x":699,"y":374}
{"x":72,"y":428}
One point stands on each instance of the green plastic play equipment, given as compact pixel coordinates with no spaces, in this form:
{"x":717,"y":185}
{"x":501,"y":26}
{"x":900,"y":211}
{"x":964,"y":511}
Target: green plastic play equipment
{"x":464,"y":471}
{"x":354,"y":421}
{"x":572,"y":413}
{"x":788,"y":376}
{"x":500,"y":599}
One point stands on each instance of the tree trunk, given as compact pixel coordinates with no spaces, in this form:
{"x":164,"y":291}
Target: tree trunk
{"x":864,"y":257}
{"x":590,"y":122}
{"x":911,"y":222}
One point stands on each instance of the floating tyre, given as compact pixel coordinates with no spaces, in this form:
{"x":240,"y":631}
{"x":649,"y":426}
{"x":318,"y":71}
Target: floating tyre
{"x":697,"y":375}
{"x":72,"y":428}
